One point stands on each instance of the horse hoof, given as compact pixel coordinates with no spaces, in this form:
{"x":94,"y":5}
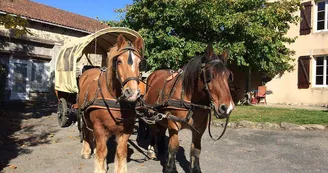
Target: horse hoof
{"x":100,"y":171}
{"x":151,"y":155}
{"x":86,"y":156}
{"x":171,"y":171}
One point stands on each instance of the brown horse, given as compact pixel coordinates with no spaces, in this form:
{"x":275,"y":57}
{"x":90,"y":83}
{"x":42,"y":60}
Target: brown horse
{"x":106,"y":100}
{"x":186,"y":98}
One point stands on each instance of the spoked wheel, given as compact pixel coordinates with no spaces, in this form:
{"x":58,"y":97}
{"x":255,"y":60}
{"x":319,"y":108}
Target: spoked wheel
{"x":62,"y":113}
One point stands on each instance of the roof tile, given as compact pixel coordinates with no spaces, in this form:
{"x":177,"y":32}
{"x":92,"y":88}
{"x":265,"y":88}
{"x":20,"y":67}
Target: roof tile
{"x":34,"y":10}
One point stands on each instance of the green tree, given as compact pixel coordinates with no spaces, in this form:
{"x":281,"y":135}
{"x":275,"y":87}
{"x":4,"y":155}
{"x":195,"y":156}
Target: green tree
{"x":253,"y":30}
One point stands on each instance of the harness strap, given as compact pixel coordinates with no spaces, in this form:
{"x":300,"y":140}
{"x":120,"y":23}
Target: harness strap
{"x":161,"y":93}
{"x":107,"y":106}
{"x":174,"y":86}
{"x":184,"y":104}
{"x":129,"y":79}
{"x":113,"y":104}
{"x":104,"y":69}
{"x":182,"y":120}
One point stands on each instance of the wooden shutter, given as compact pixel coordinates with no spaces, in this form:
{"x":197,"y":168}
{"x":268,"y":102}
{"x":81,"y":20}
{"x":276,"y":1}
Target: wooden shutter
{"x":303,"y":72}
{"x":306,"y":18}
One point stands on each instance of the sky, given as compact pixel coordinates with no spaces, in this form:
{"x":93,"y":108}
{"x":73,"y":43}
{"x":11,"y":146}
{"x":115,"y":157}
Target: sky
{"x":104,"y":9}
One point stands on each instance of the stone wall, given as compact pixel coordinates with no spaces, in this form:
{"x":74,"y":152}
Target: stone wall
{"x":44,"y":41}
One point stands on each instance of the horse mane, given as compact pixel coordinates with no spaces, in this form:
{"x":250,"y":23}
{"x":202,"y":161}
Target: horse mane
{"x":191,"y":74}
{"x":192,"y":69}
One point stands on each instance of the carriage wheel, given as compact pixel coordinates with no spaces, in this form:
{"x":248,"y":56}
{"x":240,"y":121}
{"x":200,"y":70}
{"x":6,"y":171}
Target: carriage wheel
{"x":62,"y":113}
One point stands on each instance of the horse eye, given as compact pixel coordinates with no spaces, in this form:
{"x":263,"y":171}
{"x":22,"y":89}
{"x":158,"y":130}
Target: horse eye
{"x":119,"y":62}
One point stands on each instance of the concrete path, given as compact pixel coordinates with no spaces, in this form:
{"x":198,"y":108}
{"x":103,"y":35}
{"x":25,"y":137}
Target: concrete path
{"x":40,"y":146}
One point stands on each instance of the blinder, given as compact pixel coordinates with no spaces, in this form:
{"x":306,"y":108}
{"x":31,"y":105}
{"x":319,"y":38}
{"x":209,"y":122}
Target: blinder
{"x":208,"y":76}
{"x":143,"y":65}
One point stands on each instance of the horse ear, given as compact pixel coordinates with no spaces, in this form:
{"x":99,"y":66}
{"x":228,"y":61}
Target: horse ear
{"x":138,"y":44}
{"x":225,"y":56}
{"x":209,"y":51}
{"x":120,"y":41}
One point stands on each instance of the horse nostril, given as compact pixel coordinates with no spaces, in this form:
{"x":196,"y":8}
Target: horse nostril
{"x":127,"y":92}
{"x":223,"y":108}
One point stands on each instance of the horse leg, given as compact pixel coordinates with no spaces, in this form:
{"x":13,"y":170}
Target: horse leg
{"x":121,"y":153}
{"x":161,"y":140}
{"x":172,"y":151}
{"x":151,"y":147}
{"x":87,"y":146}
{"x":101,"y":149}
{"x":156,"y":139}
{"x":87,"y":143}
{"x":195,"y":149}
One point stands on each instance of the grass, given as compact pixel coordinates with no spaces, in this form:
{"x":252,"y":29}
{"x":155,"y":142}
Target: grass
{"x":278,"y":115}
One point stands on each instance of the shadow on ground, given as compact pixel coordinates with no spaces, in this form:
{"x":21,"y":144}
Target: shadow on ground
{"x":143,"y":142}
{"x":15,"y":135}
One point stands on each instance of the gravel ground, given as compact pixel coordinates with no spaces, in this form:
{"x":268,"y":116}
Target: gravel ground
{"x":39,"y":145}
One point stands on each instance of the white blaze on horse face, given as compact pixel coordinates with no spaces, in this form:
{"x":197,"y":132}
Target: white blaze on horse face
{"x":133,"y":60}
{"x":230,"y":108}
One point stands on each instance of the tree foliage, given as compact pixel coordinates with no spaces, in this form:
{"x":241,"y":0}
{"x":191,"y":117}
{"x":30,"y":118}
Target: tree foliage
{"x":253,"y":30}
{"x":15,"y":24}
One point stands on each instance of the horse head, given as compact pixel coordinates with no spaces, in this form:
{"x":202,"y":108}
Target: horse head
{"x":124,"y":60}
{"x":215,"y":76}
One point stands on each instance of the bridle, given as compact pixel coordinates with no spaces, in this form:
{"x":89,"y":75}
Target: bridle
{"x":207,"y":90}
{"x":129,"y":48}
{"x":212,"y":105}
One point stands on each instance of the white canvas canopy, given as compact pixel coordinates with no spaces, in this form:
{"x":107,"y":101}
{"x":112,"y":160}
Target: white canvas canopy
{"x":96,"y":45}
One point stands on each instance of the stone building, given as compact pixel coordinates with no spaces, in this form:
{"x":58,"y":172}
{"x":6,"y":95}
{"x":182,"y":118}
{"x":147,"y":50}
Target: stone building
{"x":30,"y":59}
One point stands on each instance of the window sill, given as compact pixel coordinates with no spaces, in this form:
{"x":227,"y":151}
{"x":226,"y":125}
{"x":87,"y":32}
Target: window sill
{"x":320,"y":32}
{"x":319,"y":88}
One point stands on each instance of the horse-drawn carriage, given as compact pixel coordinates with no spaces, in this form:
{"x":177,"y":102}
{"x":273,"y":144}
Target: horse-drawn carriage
{"x":106,"y":98}
{"x":76,"y":57}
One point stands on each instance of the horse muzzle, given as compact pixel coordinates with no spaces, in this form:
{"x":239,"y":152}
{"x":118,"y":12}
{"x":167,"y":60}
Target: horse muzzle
{"x":130,"y":95}
{"x":223,"y":111}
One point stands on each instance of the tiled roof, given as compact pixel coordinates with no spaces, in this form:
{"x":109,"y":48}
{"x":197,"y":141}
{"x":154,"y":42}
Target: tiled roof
{"x":33,"y":10}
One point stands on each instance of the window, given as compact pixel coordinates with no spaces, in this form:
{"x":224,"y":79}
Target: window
{"x":321,"y":71}
{"x":39,"y":76}
{"x":321,"y":21}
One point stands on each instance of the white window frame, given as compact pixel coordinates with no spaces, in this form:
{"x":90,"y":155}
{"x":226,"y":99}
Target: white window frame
{"x":316,"y":16}
{"x":314,"y":67}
